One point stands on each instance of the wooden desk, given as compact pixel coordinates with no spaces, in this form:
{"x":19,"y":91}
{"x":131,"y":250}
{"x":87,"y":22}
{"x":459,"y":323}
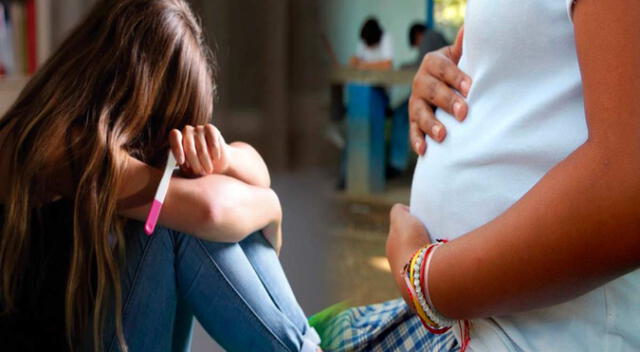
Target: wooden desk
{"x":344,"y":75}
{"x":366,"y":112}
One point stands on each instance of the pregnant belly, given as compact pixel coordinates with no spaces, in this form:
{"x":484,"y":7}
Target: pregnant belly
{"x":480,"y":171}
{"x":452,"y":197}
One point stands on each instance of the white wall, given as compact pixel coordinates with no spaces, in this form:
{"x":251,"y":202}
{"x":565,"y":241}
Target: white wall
{"x":344,"y":18}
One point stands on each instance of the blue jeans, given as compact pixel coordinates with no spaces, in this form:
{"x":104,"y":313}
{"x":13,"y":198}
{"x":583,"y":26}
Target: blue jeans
{"x":238,"y":292}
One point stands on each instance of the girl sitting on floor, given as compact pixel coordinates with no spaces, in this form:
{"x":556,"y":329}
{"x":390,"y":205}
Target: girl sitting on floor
{"x":80,"y":159}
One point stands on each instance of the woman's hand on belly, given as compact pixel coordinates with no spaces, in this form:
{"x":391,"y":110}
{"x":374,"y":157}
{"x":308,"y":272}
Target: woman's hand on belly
{"x":436,"y":85}
{"x":406,"y":235}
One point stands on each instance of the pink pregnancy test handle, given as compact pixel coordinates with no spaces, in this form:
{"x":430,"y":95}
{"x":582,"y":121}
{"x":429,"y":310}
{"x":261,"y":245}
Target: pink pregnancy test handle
{"x":161,"y":192}
{"x":152,"y":218}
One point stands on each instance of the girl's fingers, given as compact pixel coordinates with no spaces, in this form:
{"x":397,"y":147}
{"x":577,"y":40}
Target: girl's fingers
{"x":191,"y":153}
{"x":422,"y":114}
{"x":203,"y":150}
{"x":416,"y":136}
{"x":436,"y":93}
{"x":220,"y":145}
{"x":418,"y":144}
{"x":175,"y":141}
{"x":429,"y":125}
{"x":199,"y":149}
{"x":441,"y":67}
{"x":211,"y":135}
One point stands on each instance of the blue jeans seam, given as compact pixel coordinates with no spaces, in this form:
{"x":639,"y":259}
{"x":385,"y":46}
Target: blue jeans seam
{"x":258,"y":319}
{"x":275,"y":299}
{"x":193,"y":282}
{"x":134,"y":285}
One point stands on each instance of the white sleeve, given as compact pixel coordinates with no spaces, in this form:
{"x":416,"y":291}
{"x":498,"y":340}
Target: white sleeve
{"x":386,"y":47}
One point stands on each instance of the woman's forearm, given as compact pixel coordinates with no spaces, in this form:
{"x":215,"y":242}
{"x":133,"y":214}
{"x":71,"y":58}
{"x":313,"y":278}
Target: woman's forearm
{"x":246,"y":164}
{"x":575,"y":230}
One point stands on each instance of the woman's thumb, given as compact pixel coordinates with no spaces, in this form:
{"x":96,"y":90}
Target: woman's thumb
{"x":456,"y":51}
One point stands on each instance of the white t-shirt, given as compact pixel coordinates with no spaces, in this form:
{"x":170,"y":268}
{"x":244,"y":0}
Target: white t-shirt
{"x":526,"y":114}
{"x":382,"y":51}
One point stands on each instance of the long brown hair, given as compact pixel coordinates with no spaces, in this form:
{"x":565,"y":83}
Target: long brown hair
{"x":128,"y":74}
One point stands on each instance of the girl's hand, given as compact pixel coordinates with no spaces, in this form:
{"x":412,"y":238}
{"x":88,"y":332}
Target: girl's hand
{"x":436,"y":85}
{"x":200,"y":150}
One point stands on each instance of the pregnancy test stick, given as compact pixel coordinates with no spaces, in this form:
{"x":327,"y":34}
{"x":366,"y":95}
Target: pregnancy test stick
{"x":161,"y":192}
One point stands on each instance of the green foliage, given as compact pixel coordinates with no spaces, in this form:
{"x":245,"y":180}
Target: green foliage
{"x":449,"y":16}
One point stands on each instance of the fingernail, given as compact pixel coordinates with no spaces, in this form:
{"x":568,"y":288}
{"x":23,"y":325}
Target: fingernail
{"x":465,"y":86}
{"x":417,"y":145}
{"x":457,"y":110}
{"x":436,"y":132}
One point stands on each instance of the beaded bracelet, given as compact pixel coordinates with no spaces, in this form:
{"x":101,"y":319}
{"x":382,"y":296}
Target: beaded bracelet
{"x":412,"y":295}
{"x":408,"y":278}
{"x":415,"y":284}
{"x":414,"y":273}
{"x":440,"y":321}
{"x":433,"y":314}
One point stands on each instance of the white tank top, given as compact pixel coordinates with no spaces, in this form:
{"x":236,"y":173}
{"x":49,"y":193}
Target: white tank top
{"x":526,"y":114}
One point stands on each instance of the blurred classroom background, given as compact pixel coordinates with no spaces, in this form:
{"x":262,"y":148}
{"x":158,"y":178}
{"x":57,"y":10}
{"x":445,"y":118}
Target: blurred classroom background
{"x":344,"y":19}
{"x":281,"y":65}
{"x":369,"y":110}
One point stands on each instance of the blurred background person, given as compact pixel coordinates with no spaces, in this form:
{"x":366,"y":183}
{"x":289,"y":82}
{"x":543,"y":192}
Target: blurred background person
{"x":375,"y":48}
{"x":424,"y":40}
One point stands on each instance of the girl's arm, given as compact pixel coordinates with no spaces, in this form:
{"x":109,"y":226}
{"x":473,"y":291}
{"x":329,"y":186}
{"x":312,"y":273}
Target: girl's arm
{"x":247,"y":165}
{"x":213,"y":207}
{"x":579,"y":227}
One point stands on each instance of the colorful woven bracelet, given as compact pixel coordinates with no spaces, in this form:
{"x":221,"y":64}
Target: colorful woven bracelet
{"x":407,"y":277}
{"x":412,"y":294}
{"x":423,"y":292}
{"x":416,"y":281}
{"x":412,"y":280}
{"x":435,"y":326}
